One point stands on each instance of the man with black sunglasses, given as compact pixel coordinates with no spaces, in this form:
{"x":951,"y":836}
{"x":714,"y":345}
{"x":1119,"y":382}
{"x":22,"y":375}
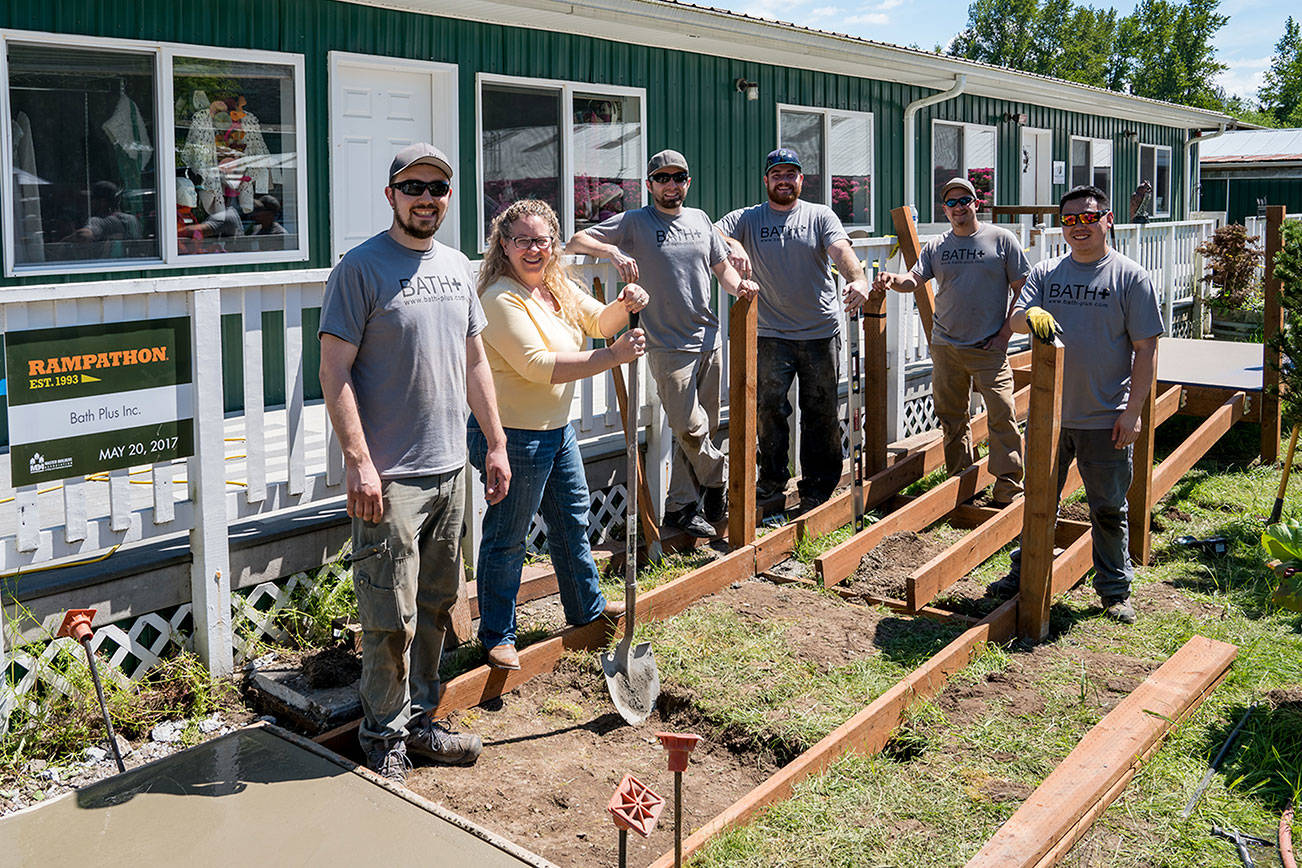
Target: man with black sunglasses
{"x":671,"y":251}
{"x":401,"y":358}
{"x":980,"y":267}
{"x":1104,"y":306}
{"x":790,"y":243}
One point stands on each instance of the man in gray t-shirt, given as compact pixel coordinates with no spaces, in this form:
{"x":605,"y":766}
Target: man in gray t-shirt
{"x":1104,"y":306}
{"x":788,"y":244}
{"x":980,"y":268}
{"x":671,"y":251}
{"x":400,"y":359}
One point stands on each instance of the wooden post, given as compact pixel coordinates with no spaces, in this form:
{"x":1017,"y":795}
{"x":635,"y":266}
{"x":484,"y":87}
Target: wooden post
{"x":743,"y":377}
{"x":877,"y":387}
{"x":210,"y":587}
{"x":1271,"y":426}
{"x":1042,"y":430}
{"x":907,"y":231}
{"x":1139,"y":499}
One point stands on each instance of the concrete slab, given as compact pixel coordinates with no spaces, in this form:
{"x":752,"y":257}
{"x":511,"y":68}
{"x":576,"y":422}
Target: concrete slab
{"x":1224,"y":364}
{"x":254,"y":797}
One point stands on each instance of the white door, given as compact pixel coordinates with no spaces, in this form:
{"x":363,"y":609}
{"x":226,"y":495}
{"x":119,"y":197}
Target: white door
{"x":1036,"y":166}
{"x":378,"y":105}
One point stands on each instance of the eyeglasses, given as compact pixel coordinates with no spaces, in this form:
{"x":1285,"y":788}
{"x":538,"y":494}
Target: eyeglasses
{"x":960,"y":202}
{"x":524,"y":242}
{"x":413,"y":188}
{"x":666,"y":177}
{"x":1087,"y":218}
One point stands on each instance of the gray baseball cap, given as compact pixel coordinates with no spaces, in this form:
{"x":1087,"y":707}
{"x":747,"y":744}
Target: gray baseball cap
{"x":667,"y":159}
{"x":420,"y":153}
{"x":959,"y":182}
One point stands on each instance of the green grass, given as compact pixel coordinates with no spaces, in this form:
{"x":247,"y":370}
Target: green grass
{"x":931,"y":799}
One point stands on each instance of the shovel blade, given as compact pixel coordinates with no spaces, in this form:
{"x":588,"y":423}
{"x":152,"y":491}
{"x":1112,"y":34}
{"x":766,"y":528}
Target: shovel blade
{"x":633,"y":681}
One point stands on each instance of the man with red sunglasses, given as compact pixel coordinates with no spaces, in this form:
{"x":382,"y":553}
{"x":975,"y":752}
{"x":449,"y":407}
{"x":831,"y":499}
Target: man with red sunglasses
{"x":980,"y":268}
{"x":1104,"y":306}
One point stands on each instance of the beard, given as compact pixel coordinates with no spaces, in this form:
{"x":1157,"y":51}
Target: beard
{"x":785,"y":196}
{"x":422,"y":230}
{"x":669,"y":200}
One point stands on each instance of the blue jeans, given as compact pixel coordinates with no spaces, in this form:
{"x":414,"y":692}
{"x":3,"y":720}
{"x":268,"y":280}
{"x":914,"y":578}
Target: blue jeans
{"x":1106,"y":472}
{"x":546,"y":477}
{"x":816,"y":364}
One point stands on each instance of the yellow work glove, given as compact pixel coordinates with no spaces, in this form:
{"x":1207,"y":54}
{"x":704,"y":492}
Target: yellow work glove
{"x":1042,"y":324}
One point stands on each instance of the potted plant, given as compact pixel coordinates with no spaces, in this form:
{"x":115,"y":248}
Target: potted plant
{"x":1232,"y":261}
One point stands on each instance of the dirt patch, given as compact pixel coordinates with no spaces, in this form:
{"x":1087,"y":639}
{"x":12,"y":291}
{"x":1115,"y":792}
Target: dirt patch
{"x":332,"y":667}
{"x":1077,"y":510}
{"x":821,"y":629}
{"x":884,"y":571}
{"x":1285,"y":697}
{"x":1165,"y":597}
{"x":1168,"y":518}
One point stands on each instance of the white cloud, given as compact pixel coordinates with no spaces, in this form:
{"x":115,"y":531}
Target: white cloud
{"x":1244,"y":76}
{"x":877,"y":18}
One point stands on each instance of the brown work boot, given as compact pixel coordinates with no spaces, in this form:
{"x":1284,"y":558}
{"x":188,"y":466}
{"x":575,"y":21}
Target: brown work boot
{"x":388,"y":759}
{"x":614,"y":610}
{"x":1119,"y":609}
{"x":503,"y":657}
{"x":440,"y":745}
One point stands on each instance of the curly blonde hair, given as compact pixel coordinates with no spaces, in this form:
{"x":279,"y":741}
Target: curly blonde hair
{"x":556,"y":276}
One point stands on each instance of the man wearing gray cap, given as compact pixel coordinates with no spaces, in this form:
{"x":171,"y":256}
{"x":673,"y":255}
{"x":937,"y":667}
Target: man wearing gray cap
{"x":980,"y":268}
{"x":671,"y":251}
{"x":400,"y":359}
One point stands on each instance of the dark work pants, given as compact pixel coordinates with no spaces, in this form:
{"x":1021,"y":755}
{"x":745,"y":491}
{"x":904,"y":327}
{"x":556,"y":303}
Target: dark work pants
{"x":815,"y":364}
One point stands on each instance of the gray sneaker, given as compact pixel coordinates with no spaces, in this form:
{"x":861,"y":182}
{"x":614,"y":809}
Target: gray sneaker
{"x":1005,"y":587}
{"x":690,"y":521}
{"x":1119,"y":609}
{"x":389,"y":760}
{"x":440,"y":745}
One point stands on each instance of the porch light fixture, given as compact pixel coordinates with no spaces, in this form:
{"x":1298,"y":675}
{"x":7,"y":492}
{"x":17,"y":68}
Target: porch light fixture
{"x":1019,"y":117}
{"x":1130,"y":134}
{"x":750,"y":88}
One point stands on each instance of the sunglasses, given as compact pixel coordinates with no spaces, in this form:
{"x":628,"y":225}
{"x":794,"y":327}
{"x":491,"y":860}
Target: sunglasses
{"x":666,"y":177}
{"x":1085,"y":218}
{"x":437,"y":189}
{"x":524,"y":242}
{"x":960,"y":202}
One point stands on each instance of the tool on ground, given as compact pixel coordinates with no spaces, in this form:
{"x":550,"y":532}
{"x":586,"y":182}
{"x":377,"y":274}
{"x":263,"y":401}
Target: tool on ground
{"x":631,"y":673}
{"x":1216,"y":763}
{"x":1286,"y":858}
{"x":1241,"y":842}
{"x":679,"y":745}
{"x":1212,"y":545}
{"x":76,"y":623}
{"x":1278,"y":509}
{"x":855,"y":411}
{"x":653,"y":550}
{"x":634,"y":806}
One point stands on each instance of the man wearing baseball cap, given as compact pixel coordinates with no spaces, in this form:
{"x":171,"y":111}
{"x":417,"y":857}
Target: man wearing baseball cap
{"x":788,"y":243}
{"x":980,"y":267}
{"x":671,"y":251}
{"x":400,"y":359}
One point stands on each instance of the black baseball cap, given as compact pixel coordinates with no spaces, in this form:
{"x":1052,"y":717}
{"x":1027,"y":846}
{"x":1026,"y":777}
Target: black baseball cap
{"x":782,"y":157}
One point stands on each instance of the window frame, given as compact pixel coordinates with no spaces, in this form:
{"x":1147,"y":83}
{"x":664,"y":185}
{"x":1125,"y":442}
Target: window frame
{"x":164,"y":55}
{"x":567,"y":91}
{"x":827,"y":114}
{"x":1170,"y":170}
{"x":1093,"y":164}
{"x":994,"y":169}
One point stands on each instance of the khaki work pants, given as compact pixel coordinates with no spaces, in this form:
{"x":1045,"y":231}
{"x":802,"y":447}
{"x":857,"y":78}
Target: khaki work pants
{"x":688,"y":383}
{"x":955,"y":370}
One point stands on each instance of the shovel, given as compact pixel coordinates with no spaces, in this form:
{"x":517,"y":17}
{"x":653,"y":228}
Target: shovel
{"x":631,"y":673}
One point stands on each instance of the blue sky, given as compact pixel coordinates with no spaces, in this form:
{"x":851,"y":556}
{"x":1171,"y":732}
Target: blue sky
{"x":1245,"y":44}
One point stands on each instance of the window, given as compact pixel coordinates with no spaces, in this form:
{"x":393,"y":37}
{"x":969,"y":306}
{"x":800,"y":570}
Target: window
{"x":577,"y":147}
{"x":1155,"y":168}
{"x":101,"y":177}
{"x":962,"y":151}
{"x":1091,"y":163}
{"x":836,"y":156}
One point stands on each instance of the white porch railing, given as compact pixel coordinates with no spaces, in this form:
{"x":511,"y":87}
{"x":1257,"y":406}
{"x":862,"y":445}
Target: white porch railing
{"x":266,"y":460}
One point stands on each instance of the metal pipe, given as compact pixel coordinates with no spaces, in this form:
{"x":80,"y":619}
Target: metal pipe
{"x":910,"y":142}
{"x":678,"y":820}
{"x":1193,"y":171}
{"x":103,"y":706}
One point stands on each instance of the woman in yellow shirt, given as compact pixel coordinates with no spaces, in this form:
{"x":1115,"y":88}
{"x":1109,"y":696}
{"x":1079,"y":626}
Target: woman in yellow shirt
{"x":537,"y":319}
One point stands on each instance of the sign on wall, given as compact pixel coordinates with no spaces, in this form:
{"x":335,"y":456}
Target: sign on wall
{"x":1060,"y":171}
{"x":89,"y":398}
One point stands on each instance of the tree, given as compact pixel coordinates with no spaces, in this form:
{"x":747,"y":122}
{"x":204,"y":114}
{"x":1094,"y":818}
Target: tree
{"x":1001,"y":32}
{"x":1281,"y":94}
{"x":1170,"y":52}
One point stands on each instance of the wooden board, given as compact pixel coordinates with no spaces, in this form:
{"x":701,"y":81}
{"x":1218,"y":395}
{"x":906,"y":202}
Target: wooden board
{"x":1107,"y":754}
{"x":877,"y":376}
{"x":1041,"y":510}
{"x":910,"y":248}
{"x":1202,"y":401}
{"x":867,"y":732}
{"x":1187,"y":454}
{"x":743,"y":375}
{"x":1139,"y":500}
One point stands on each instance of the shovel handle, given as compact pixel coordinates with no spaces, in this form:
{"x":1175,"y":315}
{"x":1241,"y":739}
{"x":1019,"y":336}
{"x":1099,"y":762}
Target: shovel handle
{"x":1278,"y":509}
{"x":630,"y":500}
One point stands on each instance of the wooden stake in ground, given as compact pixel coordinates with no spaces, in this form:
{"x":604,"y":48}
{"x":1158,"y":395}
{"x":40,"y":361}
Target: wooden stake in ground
{"x":743,"y":365}
{"x":1041,"y":513}
{"x":875,"y":386}
{"x":907,"y":231}
{"x":1139,"y":500}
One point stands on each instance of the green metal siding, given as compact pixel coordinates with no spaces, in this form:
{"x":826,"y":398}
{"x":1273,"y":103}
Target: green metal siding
{"x":1239,"y":196}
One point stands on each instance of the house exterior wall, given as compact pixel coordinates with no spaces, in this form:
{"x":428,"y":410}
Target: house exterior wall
{"x":1238,"y":196}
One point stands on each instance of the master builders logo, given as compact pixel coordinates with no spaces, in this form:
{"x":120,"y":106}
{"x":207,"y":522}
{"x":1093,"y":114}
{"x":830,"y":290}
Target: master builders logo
{"x":40,"y":464}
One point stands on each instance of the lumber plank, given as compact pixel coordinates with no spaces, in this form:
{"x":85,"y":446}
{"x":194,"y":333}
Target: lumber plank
{"x":1107,"y":753}
{"x":1139,"y":499}
{"x":1271,"y":426}
{"x":1070,"y":566}
{"x":867,"y":732}
{"x":875,"y":435}
{"x":910,"y":248}
{"x":776,"y":546}
{"x":1202,"y":401}
{"x":1195,"y":446}
{"x":837,"y":563}
{"x":1041,"y":510}
{"x":743,"y":368}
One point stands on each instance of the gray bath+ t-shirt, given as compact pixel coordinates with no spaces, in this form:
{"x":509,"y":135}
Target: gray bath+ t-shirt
{"x":788,"y":250}
{"x":1103,"y":307}
{"x":409,"y":314}
{"x":974,"y":272}
{"x":674,"y":257}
